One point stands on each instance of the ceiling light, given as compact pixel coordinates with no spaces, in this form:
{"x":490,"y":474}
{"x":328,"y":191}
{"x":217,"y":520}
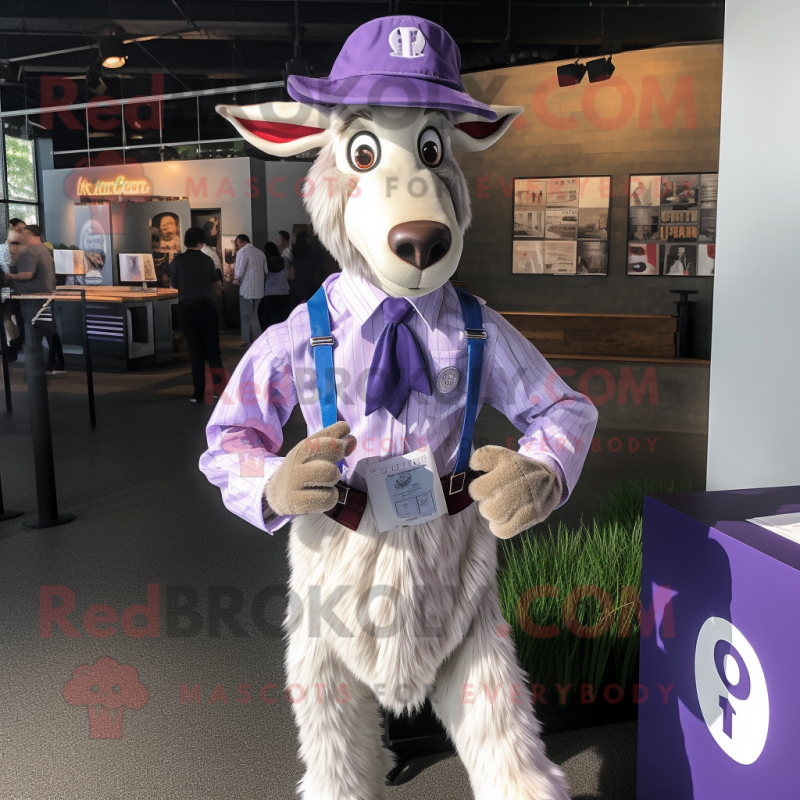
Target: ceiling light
{"x":570,"y":74}
{"x":601,"y":69}
{"x":112,"y":52}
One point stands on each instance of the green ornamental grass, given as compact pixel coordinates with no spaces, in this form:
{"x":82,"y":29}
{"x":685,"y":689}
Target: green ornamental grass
{"x":571,"y":595}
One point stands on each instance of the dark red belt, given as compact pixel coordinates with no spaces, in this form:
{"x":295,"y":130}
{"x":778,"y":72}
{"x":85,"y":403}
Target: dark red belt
{"x":353,"y":502}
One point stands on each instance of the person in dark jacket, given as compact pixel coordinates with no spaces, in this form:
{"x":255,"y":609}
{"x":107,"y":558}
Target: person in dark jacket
{"x":194,"y":276}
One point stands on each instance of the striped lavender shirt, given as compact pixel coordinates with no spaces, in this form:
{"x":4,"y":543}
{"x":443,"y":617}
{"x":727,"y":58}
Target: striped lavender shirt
{"x":250,"y":269}
{"x":277,"y":372}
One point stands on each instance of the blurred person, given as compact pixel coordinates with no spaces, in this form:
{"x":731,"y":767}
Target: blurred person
{"x":11,"y":307}
{"x":209,"y":250}
{"x":197,"y":280}
{"x":283,"y":241}
{"x":275,"y":306}
{"x":250,"y":272}
{"x":34,"y":272}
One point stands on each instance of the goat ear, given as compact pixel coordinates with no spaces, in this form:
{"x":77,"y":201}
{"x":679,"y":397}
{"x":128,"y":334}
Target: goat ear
{"x":280,"y":129}
{"x":475,"y":133}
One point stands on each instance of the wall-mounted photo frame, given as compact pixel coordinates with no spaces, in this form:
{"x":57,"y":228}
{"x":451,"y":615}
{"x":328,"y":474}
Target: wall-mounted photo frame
{"x":672,"y":224}
{"x":560,"y":225}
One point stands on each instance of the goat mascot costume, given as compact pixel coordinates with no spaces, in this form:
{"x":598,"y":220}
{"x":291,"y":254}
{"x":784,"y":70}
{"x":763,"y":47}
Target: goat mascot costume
{"x":389,"y":359}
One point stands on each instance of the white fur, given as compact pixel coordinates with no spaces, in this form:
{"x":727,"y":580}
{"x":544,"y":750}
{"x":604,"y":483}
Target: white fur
{"x":431,"y":590}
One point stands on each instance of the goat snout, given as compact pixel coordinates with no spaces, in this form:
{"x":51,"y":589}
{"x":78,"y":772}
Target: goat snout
{"x":421,"y":243}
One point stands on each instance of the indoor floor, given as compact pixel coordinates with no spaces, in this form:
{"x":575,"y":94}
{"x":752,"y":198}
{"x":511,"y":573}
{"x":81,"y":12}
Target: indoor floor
{"x":146,"y":515}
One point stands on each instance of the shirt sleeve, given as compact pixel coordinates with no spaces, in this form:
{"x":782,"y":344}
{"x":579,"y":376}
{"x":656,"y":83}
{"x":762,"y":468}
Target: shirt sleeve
{"x":557,"y":423}
{"x":26,"y":263}
{"x":173,"y":274}
{"x":240,"y":266}
{"x":245,"y":433}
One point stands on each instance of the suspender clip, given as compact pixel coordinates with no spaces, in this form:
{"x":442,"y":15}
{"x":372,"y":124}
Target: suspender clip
{"x":317,"y":341}
{"x":476,"y":333}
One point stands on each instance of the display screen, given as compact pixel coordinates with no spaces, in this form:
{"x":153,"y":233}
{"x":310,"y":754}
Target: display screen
{"x":136,"y":268}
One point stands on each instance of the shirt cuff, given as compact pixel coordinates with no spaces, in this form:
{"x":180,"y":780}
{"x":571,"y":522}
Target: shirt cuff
{"x":270,"y":520}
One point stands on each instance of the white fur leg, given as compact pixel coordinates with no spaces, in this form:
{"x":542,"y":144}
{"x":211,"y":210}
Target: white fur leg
{"x":339,"y":727}
{"x":480,"y":697}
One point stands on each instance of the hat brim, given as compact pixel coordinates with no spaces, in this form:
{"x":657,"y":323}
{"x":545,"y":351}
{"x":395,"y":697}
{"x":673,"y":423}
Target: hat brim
{"x":386,"y":90}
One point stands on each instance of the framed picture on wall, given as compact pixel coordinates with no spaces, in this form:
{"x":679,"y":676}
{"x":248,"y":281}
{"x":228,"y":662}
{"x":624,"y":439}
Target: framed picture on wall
{"x":166,"y":237}
{"x":672,"y":224}
{"x":210,"y":221}
{"x":560,"y":225}
{"x":228,"y":257}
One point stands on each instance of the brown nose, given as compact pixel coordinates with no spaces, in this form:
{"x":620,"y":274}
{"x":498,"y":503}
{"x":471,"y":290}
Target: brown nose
{"x":421,"y":243}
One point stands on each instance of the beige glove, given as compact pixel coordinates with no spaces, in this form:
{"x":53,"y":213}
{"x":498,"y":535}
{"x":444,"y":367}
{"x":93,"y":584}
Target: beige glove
{"x":304,"y":483}
{"x":515,"y":493}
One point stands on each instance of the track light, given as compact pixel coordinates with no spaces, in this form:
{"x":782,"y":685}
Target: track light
{"x":570,"y":74}
{"x":112,"y":52}
{"x":94,"y":79}
{"x":601,"y":69}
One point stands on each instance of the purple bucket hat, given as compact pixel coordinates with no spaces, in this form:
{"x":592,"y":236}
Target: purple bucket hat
{"x":394,"y":61}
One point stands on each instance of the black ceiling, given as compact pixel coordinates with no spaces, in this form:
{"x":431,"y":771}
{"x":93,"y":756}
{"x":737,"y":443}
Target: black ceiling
{"x":197,"y":44}
{"x":217,"y":43}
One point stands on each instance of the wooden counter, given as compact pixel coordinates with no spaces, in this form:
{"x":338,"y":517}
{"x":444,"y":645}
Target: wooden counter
{"x":128,"y":328}
{"x":119,"y":294}
{"x":646,"y":336}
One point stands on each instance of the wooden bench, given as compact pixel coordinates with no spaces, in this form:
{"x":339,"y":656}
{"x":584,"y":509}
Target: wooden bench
{"x":629,"y":336}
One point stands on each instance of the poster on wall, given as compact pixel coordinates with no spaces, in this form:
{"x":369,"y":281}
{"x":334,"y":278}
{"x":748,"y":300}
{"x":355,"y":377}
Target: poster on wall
{"x":209,"y":220}
{"x":228,"y":257}
{"x":642,"y":259}
{"x":165,"y":235}
{"x":528,"y":257}
{"x":561,"y":226}
{"x":672,"y":224}
{"x":93,"y":237}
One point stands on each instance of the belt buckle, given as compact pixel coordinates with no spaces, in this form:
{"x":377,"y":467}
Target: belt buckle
{"x":457,"y":480}
{"x":344,"y":491}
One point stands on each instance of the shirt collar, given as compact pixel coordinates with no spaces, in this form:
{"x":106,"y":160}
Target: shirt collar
{"x":364,"y":299}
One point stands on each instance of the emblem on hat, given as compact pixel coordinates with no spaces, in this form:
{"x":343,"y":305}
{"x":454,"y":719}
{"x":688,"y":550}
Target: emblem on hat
{"x":447,"y":380}
{"x":407,"y":42}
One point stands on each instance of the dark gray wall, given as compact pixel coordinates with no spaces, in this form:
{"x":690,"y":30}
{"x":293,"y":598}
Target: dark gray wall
{"x":614,"y":129}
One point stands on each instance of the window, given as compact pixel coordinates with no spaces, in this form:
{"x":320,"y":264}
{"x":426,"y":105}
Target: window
{"x":20,"y":170}
{"x":28,"y":213}
{"x":18,"y":192}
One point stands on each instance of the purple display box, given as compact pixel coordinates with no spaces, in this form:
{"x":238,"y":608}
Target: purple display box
{"x":720,"y":649}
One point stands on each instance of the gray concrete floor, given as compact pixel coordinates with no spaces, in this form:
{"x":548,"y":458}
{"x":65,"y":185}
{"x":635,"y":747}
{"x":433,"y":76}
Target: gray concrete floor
{"x":145,"y":515}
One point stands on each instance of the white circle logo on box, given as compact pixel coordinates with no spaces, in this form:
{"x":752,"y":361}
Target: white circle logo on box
{"x":407,"y":42}
{"x":732,"y":690}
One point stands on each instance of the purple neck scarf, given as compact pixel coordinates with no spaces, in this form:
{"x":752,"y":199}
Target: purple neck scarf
{"x":397,"y":364}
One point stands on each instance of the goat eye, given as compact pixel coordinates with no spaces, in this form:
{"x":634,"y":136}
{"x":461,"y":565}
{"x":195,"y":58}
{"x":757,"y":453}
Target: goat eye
{"x":430,"y":147}
{"x":363,"y":152}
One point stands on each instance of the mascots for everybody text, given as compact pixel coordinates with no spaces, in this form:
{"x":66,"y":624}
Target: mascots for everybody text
{"x":392,"y":563}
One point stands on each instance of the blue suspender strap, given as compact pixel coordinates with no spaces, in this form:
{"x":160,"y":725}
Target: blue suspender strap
{"x":476,"y":338}
{"x":322,"y":345}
